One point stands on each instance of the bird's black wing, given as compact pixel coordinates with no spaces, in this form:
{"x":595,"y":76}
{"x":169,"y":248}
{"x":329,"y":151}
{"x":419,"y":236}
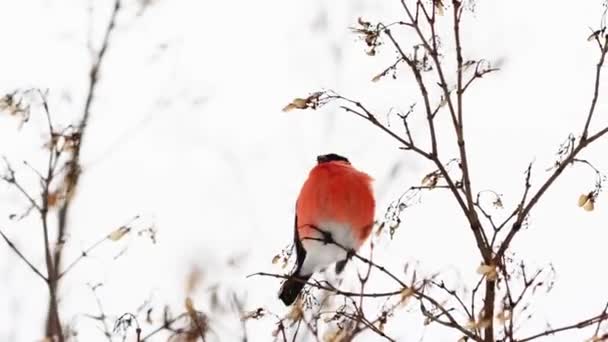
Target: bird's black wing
{"x":292,"y":287}
{"x":300,"y":251}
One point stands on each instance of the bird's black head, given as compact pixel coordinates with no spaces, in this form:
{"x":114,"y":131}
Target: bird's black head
{"x":326,"y":158}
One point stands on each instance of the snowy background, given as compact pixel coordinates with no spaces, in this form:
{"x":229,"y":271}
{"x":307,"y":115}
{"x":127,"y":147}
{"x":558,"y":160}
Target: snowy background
{"x":187,"y":131}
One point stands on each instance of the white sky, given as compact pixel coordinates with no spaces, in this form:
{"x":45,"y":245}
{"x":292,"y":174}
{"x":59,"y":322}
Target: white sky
{"x":187,"y":131}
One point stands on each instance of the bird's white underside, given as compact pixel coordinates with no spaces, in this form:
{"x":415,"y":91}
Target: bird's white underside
{"x":319,"y":254}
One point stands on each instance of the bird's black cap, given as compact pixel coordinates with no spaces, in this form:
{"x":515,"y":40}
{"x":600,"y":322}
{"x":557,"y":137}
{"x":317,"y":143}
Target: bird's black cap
{"x":326,"y":158}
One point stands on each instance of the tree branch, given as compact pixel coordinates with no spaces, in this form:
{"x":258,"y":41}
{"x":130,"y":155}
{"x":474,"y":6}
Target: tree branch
{"x":583,"y":142}
{"x":580,"y":325}
{"x":12,"y":246}
{"x":74,"y":164}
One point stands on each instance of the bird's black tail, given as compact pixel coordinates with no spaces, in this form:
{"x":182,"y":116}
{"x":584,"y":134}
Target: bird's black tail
{"x":292,"y":287}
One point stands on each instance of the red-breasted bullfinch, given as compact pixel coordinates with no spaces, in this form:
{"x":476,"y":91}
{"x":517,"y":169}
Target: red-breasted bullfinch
{"x":335,"y":209}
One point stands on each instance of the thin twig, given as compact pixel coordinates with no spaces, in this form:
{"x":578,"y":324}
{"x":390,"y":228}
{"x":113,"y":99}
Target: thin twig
{"x":54,"y":261}
{"x":102,"y":315}
{"x":166,"y":324}
{"x":583,"y":142}
{"x":82,"y":255}
{"x":580,"y":325}
{"x":423,"y":91}
{"x":12,"y":246}
{"x":596,"y":88}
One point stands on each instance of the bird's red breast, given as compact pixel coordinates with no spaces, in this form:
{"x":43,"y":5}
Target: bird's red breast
{"x":336,"y":192}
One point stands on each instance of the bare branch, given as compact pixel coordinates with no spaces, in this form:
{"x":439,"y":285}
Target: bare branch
{"x":583,"y":142}
{"x":12,"y":246}
{"x":580,"y":325}
{"x":425,"y":95}
{"x":82,"y":255}
{"x":596,"y":88}
{"x":73,"y":172}
{"x":364,"y":113}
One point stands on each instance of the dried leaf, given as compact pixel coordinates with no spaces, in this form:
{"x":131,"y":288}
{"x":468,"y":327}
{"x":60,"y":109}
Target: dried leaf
{"x":471,"y":324}
{"x":488,"y":270}
{"x":4,"y":102}
{"x":596,"y":338}
{"x":363,"y":23}
{"x":300,"y":103}
{"x":582,"y":199}
{"x":381,"y":325}
{"x":193,"y":280}
{"x":335,"y":335}
{"x":439,"y":7}
{"x":276,"y":259}
{"x":484,"y":269}
{"x":589,"y":206}
{"x":119,"y":233}
{"x":53,"y":198}
{"x":297,"y":103}
{"x":466,"y":65}
{"x":503,"y":316}
{"x":426,"y":179}
{"x":370,"y":39}
{"x":430,"y":180}
{"x":484,"y":323}
{"x":377,"y":77}
{"x":190,"y":307}
{"x":289,"y":107}
{"x":406,"y":294}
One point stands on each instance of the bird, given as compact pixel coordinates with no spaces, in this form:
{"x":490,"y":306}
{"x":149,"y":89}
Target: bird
{"x":334,"y":217}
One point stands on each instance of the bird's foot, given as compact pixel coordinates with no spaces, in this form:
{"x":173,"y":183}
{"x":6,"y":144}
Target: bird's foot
{"x":350,"y":253}
{"x":326,"y":237}
{"x":342,"y":263}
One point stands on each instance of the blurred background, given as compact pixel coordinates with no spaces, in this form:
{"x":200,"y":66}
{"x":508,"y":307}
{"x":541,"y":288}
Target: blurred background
{"x":186,"y":131}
